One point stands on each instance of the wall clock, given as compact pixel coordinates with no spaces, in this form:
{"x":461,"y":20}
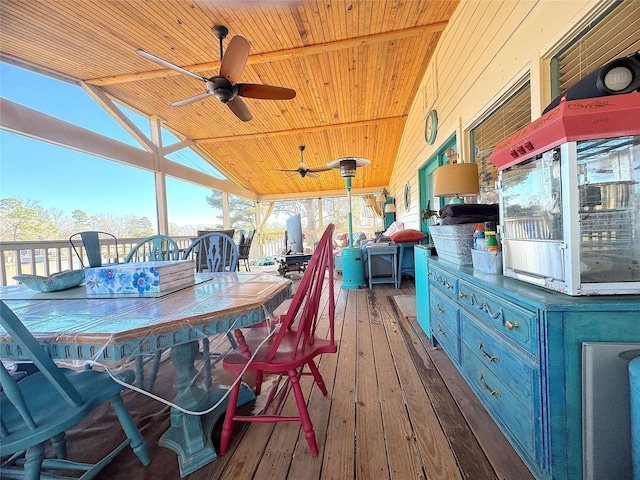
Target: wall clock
{"x":431,"y":127}
{"x":407,"y":196}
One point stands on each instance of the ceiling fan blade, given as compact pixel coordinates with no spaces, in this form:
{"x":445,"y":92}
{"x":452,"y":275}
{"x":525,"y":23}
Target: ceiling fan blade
{"x":265,"y":92}
{"x":234,"y":59}
{"x":166,"y":64}
{"x":241,"y":111}
{"x":319,"y":169}
{"x":284,"y":170}
{"x":312,"y":174}
{"x":189,"y":100}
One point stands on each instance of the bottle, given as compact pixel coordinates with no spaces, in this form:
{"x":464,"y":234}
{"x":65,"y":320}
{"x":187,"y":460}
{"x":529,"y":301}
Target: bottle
{"x":491,"y":241}
{"x":478,"y":237}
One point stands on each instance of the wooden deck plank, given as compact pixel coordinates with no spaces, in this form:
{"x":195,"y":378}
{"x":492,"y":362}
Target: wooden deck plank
{"x":470,"y":457}
{"x":402,"y":453}
{"x":338,"y":460}
{"x":371,"y":460}
{"x":505,"y":461}
{"x":437,"y":458}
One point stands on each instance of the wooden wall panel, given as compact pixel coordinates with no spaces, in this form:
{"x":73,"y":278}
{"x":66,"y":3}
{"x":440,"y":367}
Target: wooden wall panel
{"x":486,"y":49}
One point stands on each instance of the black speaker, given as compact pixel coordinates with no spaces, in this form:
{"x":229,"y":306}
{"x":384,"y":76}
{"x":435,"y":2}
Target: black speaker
{"x":621,"y":75}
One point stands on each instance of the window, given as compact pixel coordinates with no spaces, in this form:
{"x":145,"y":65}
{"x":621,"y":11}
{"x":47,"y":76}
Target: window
{"x":508,"y":118}
{"x":615,"y":34}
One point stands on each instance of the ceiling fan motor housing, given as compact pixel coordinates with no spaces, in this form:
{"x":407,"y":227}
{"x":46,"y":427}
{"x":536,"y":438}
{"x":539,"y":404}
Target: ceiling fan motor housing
{"x":222,"y":89}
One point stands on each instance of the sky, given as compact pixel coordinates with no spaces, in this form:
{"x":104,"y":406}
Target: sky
{"x":67,"y":180}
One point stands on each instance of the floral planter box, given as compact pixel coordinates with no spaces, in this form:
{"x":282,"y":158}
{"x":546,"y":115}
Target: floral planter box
{"x":139,"y":278}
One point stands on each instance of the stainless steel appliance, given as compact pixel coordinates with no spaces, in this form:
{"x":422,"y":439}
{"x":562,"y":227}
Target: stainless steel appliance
{"x":570,"y":198}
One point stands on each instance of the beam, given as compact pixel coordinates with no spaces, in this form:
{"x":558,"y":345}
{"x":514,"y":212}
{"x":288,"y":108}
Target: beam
{"x":287,"y":54}
{"x":19,"y":119}
{"x":25,"y":121}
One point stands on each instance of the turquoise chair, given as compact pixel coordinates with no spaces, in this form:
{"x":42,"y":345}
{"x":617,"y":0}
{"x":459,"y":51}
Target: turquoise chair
{"x":154,"y":248}
{"x":41,"y":406}
{"x":213,"y":252}
{"x":89,"y":241}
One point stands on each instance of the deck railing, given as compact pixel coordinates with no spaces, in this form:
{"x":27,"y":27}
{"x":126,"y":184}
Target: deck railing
{"x":46,"y":257}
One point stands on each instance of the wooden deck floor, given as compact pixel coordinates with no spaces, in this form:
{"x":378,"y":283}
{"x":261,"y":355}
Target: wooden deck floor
{"x":397,"y":408}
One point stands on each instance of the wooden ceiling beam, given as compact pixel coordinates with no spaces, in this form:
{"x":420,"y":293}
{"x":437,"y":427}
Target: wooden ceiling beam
{"x":319,"y":128}
{"x":279,"y":55}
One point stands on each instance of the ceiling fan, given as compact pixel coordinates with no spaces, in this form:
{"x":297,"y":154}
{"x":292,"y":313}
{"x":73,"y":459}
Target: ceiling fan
{"x":224,"y":86}
{"x":303,"y":170}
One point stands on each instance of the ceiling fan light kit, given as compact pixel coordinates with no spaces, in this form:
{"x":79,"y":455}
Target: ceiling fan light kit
{"x":224,"y":86}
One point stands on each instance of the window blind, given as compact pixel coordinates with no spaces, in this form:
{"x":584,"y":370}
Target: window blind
{"x":615,"y":34}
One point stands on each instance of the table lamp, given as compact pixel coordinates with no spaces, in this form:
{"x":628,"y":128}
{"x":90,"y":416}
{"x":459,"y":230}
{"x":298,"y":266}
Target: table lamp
{"x":456,"y":179}
{"x":352,"y":261}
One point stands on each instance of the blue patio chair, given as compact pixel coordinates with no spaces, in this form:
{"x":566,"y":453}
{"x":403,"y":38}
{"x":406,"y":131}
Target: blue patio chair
{"x":43,"y":405}
{"x":89,"y":242}
{"x":154,"y":248}
{"x":213,"y":252}
{"x":151,"y":249}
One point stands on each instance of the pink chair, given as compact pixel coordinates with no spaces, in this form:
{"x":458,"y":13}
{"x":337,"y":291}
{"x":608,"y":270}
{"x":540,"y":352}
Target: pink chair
{"x":291,"y":345}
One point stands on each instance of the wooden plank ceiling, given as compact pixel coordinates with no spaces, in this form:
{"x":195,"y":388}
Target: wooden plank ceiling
{"x":355,"y":65}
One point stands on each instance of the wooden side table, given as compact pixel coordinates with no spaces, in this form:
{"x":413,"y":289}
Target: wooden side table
{"x":391,"y":250}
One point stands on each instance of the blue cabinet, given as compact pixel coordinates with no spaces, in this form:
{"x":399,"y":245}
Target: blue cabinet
{"x":519,"y":347}
{"x":420,"y":254}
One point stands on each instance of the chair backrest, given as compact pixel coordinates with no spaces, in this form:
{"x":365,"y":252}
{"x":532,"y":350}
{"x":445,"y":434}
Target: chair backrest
{"x":89,"y":241}
{"x":39,"y":357}
{"x":154,"y":248}
{"x":213,"y":252}
{"x":244,"y":247}
{"x":304,"y":309}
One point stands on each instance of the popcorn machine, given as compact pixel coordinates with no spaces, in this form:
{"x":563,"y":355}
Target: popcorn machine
{"x":569,"y":187}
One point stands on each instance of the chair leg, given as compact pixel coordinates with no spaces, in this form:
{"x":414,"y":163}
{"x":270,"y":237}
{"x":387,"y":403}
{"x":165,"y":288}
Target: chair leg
{"x":33,"y":462}
{"x":317,"y":377}
{"x":227,"y":426}
{"x":305,"y":419}
{"x":137,"y":443}
{"x":59,"y":443}
{"x":259,"y":377}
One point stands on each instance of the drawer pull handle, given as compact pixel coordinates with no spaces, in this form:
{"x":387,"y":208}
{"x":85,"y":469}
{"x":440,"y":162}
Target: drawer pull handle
{"x":493,"y":393}
{"x":441,"y":310}
{"x":510,"y":325}
{"x":442,"y":332}
{"x":462,"y":295}
{"x":491,"y":358}
{"x":483,"y":306}
{"x":447,"y":285}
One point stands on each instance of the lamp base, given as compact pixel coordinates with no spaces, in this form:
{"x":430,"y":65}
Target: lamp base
{"x":456,"y":200}
{"x":352,"y":268}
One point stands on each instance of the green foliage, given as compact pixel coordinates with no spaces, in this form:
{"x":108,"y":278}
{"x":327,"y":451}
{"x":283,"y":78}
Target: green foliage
{"x":24,"y":220}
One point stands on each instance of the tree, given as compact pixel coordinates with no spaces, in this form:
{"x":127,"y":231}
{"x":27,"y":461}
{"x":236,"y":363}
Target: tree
{"x":24,"y":220}
{"x":242,"y":211}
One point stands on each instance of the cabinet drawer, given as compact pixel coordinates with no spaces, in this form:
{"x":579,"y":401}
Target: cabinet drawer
{"x":444,"y":323}
{"x":443,"y":309}
{"x":515,"y":322}
{"x":447,"y":282}
{"x":516,"y":421}
{"x":519,"y":374}
{"x":447,"y":338}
